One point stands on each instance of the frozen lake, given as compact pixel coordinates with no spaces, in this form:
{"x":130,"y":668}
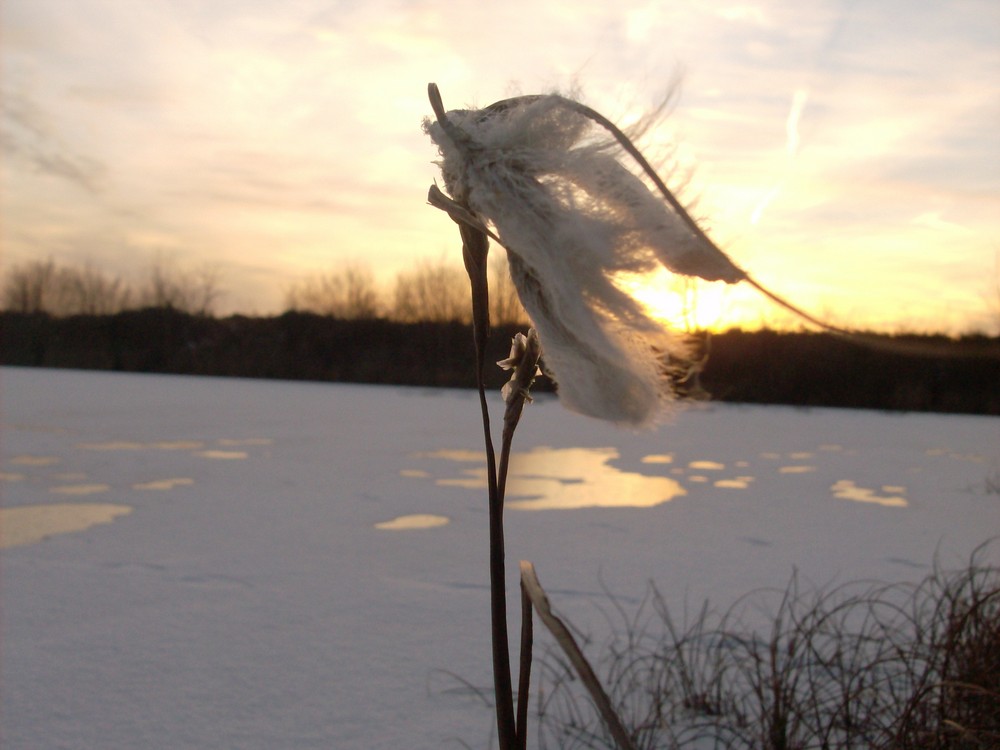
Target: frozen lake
{"x":196,"y":563}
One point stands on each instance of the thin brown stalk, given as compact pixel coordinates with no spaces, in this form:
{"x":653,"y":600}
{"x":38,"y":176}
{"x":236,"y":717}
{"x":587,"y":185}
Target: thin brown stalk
{"x":475,"y":250}
{"x":502,"y":685}
{"x":566,"y":641}
{"x":524,"y":673}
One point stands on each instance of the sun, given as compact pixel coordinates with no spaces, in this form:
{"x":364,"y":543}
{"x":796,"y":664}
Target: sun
{"x":690,"y":304}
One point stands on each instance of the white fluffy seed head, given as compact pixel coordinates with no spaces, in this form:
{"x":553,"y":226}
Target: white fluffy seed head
{"x":573,"y":218}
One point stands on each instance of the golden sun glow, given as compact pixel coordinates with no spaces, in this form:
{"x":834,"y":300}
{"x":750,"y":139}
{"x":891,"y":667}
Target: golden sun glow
{"x":839,"y":184}
{"x":691,"y":304}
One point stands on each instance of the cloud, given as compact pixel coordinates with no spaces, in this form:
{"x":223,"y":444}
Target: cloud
{"x":27,"y":138}
{"x":278,"y":137}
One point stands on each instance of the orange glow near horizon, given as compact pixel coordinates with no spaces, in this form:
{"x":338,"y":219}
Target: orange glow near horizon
{"x":693,"y":305}
{"x":801,"y":138}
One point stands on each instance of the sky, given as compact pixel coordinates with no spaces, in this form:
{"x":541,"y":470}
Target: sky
{"x":846,"y":154}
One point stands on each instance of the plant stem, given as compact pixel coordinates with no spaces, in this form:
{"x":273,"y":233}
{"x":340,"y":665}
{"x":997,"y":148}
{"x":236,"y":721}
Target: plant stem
{"x":474,"y":251}
{"x":524,"y":674}
{"x":502,"y":686}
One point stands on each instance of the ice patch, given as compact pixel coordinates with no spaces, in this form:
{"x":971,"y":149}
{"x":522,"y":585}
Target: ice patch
{"x":33,"y":523}
{"x":163,"y":484}
{"x":223,"y":455}
{"x":736,"y":483}
{"x":415,"y":521}
{"x":35,"y":460}
{"x":706,"y":465}
{"x":848,"y":490}
{"x":80,"y":489}
{"x":565,"y":478}
{"x":178,"y":445}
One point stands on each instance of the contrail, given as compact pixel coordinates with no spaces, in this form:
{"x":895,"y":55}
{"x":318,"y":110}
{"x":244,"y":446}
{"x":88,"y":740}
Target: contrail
{"x":792,"y":141}
{"x":799,"y":99}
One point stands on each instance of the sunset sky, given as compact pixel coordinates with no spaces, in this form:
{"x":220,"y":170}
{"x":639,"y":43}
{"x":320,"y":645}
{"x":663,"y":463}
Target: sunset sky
{"x":846,"y":153}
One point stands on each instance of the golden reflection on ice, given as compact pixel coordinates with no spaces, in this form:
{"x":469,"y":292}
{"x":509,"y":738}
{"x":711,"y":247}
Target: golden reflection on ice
{"x":796,"y":469}
{"x":736,"y":483}
{"x":550,"y":478}
{"x":33,"y":523}
{"x":415,"y":521}
{"x":848,"y":490}
{"x":223,"y":455}
{"x":35,"y":460}
{"x":706,"y":465}
{"x":80,"y":489}
{"x":163,"y":484}
{"x":564,"y":478}
{"x":178,"y":445}
{"x":664,"y":458}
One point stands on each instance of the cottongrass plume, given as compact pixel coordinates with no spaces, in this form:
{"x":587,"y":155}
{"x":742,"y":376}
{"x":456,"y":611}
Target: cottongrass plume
{"x":548,"y":175}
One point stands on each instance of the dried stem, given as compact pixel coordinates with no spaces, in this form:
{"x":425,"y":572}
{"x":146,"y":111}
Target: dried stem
{"x":566,"y":641}
{"x":524,"y":673}
{"x":475,"y":249}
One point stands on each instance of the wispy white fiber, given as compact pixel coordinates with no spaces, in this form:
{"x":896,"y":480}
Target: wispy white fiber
{"x":572,"y":217}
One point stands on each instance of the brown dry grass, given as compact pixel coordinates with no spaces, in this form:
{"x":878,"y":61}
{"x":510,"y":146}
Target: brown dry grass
{"x":859,"y":666}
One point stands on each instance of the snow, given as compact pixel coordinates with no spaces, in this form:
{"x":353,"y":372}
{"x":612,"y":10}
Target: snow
{"x":250,"y":564}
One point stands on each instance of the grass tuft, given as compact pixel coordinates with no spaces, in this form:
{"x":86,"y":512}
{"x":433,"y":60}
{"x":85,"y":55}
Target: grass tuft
{"x":863,"y":665}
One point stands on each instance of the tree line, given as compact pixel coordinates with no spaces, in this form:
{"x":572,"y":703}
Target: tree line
{"x":430,"y":291}
{"x":339,"y":326}
{"x":42,"y":286}
{"x":763,"y":367}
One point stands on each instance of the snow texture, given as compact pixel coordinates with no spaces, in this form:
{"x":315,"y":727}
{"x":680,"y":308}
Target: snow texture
{"x":266,"y":591}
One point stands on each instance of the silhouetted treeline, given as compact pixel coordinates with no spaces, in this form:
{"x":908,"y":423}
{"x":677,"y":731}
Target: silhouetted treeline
{"x":292,"y":346}
{"x":764,"y":367}
{"x":818,"y":369}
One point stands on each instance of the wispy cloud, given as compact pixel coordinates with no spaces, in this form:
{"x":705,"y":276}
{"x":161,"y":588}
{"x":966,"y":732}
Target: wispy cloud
{"x":27,"y":138}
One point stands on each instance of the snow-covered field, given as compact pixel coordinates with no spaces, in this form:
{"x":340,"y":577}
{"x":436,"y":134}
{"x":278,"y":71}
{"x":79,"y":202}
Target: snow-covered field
{"x":214,"y":563}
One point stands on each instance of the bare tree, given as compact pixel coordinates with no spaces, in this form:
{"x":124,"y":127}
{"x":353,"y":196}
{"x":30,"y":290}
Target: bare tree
{"x":162,"y":287}
{"x":88,"y":291}
{"x":432,"y":291}
{"x":505,"y":306}
{"x":203,"y":283}
{"x":348,"y":293}
{"x":43,"y":286}
{"x":193,"y":291}
{"x":29,"y":287}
